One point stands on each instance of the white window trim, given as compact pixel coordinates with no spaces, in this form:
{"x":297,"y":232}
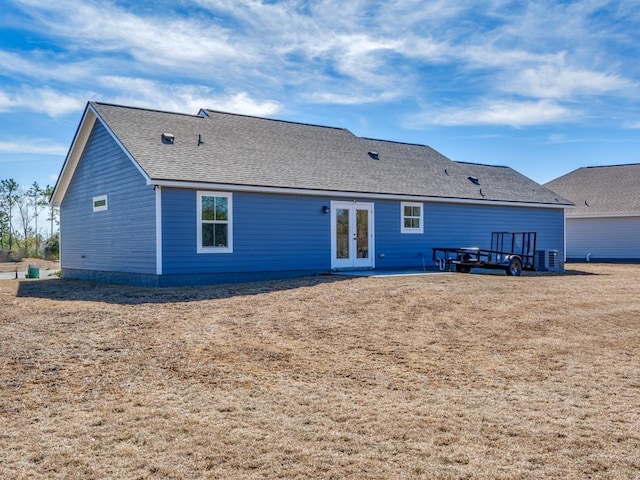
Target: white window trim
{"x":229,"y":247}
{"x":404,"y":229}
{"x":101,"y":208}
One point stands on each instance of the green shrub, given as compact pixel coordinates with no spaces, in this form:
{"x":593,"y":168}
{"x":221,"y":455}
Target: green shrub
{"x":52,"y":247}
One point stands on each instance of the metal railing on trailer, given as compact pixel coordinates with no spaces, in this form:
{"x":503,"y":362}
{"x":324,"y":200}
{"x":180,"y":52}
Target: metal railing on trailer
{"x":510,"y":251}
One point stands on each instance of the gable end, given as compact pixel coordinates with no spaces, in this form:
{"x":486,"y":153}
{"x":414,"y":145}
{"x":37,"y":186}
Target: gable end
{"x":78,"y":145}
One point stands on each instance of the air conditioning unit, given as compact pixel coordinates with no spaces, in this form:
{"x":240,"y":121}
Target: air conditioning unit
{"x":547,"y":260}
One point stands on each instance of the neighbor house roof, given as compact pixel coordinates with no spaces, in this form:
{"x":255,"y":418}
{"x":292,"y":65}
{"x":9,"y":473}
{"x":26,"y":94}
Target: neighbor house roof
{"x":223,"y":149}
{"x":601,"y":191}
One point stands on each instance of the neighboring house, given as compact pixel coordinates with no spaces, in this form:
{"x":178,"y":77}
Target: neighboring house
{"x":156,"y":198}
{"x":604,"y":226}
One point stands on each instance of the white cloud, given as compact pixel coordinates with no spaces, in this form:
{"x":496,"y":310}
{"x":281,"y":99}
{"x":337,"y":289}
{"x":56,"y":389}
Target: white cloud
{"x":164,"y":39}
{"x":350,"y":98}
{"x":52,"y":102}
{"x":44,"y":100}
{"x":330,"y":51}
{"x":243,"y":103}
{"x":515,"y":114}
{"x":551,"y":81}
{"x":361,"y":52}
{"x":45,"y":66}
{"x":33,"y":147}
{"x":185,"y":98}
{"x":6,"y":103}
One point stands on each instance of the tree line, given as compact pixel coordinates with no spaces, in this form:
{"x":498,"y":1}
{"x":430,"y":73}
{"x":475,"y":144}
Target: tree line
{"x":28,"y":222}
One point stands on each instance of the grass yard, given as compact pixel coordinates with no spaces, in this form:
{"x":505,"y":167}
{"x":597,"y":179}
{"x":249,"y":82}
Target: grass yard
{"x":437,"y":377}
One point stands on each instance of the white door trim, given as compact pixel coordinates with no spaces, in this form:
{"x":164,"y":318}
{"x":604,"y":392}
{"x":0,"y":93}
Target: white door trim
{"x":353,"y":262}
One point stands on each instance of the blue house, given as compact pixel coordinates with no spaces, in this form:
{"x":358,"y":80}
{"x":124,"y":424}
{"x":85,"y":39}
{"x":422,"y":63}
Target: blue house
{"x":156,"y":198}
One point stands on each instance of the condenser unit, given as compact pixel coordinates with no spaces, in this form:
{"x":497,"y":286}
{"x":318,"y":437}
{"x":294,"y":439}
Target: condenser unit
{"x":547,"y":260}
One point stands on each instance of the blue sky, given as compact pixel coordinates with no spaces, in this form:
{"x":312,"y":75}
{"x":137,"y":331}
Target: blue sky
{"x":542,"y":86}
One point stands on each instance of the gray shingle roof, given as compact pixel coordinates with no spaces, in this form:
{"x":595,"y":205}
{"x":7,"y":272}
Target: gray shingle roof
{"x":252,"y":151}
{"x":601,"y":190}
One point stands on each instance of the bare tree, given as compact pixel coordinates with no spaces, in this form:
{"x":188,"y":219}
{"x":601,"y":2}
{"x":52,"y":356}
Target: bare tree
{"x":25,"y":213}
{"x":53,"y":211}
{"x":21,"y":226}
{"x":37,"y":200}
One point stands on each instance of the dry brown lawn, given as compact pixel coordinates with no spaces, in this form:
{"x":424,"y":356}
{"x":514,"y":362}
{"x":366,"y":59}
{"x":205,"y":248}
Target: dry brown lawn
{"x":438,"y":377}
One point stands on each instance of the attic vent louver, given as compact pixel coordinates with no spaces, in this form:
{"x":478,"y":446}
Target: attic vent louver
{"x":168,"y":138}
{"x":374,"y":155}
{"x":474,"y":180}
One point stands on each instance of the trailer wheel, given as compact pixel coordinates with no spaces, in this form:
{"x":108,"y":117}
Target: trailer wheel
{"x":463,"y":269}
{"x":515,"y":267}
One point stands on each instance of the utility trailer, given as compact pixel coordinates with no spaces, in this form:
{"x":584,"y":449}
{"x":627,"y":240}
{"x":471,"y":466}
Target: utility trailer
{"x":512,"y":252}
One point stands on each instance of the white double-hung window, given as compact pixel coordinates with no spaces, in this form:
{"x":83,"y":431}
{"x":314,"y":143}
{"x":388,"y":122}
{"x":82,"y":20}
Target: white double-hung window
{"x":411,"y":217}
{"x":215,"y":224}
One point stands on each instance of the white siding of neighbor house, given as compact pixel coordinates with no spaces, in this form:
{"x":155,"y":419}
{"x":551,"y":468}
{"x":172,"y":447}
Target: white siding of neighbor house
{"x":604,"y":238}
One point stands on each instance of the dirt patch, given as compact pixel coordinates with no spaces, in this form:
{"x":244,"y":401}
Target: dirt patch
{"x":444,"y":376}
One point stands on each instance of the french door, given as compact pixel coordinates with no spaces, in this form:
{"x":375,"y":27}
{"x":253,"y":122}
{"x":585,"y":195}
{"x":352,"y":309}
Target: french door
{"x":352,"y":243}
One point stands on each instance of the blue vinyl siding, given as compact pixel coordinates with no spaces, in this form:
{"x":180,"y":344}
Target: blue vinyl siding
{"x":286,"y":233}
{"x":270,"y":233}
{"x":120,"y":239}
{"x":459,"y":225}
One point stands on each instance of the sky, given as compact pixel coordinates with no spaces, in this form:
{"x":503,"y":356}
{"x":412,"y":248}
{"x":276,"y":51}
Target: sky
{"x":544,"y":86}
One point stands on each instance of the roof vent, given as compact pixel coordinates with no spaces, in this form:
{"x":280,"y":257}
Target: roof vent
{"x":168,"y":138}
{"x":474,"y":180}
{"x":374,"y":155}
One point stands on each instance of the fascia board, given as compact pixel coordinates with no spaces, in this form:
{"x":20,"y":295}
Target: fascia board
{"x":604,"y":215}
{"x":332,"y":193}
{"x":73,"y":156}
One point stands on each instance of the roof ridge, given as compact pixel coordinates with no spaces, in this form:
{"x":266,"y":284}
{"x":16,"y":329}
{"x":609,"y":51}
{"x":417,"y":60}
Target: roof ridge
{"x":394,"y":142}
{"x":144,"y":109}
{"x":482,"y":164}
{"x":205,"y":110}
{"x":616,"y":165}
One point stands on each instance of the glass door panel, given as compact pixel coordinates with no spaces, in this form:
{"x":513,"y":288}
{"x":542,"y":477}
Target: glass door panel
{"x":342,"y":233}
{"x":362,"y":233}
